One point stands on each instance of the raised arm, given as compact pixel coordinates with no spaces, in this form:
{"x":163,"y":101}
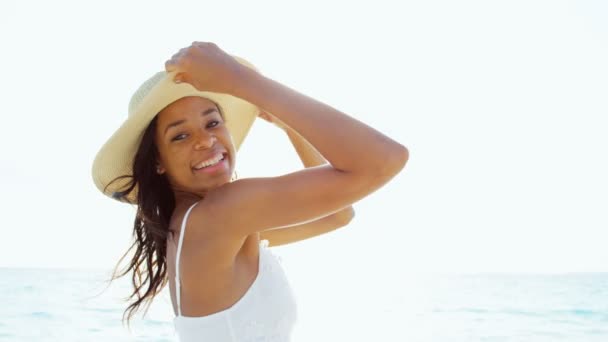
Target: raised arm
{"x":310,"y":157}
{"x":361,"y":159}
{"x":346,"y":143}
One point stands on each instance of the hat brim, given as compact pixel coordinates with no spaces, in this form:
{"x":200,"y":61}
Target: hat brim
{"x":115,"y":158}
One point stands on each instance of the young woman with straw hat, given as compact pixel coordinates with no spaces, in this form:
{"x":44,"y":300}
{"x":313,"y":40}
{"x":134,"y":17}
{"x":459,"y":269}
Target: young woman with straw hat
{"x":207,"y":234}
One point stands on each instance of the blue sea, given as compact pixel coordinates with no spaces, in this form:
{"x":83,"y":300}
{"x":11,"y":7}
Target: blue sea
{"x":76,"y":305}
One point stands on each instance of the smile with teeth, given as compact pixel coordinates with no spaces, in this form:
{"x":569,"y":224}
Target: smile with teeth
{"x":210,"y":162}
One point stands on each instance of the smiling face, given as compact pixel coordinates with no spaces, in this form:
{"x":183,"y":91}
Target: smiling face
{"x":195,"y":149}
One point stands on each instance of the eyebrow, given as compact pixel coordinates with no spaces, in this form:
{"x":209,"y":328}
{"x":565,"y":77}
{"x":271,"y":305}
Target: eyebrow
{"x":179,"y":122}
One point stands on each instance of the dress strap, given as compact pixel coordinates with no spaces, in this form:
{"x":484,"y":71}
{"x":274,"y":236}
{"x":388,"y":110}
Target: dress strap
{"x":179,"y":252}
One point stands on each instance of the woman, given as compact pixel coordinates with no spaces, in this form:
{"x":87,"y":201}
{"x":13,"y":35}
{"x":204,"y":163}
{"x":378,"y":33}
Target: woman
{"x":198,"y":228}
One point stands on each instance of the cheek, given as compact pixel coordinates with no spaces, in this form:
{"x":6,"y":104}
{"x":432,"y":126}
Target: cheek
{"x":175,"y":157}
{"x":164,"y":155}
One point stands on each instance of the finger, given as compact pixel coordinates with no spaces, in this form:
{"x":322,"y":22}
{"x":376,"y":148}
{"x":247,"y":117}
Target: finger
{"x":202,"y":44}
{"x":173,"y":63}
{"x":170,"y":65}
{"x":178,"y":55}
{"x":180,"y":78}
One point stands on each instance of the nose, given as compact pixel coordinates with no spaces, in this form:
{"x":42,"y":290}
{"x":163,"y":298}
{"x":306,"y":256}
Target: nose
{"x":205,"y":141}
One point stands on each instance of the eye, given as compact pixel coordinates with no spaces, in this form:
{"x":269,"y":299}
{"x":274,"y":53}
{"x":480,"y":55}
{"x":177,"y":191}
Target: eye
{"x":179,"y":137}
{"x":213,"y":123}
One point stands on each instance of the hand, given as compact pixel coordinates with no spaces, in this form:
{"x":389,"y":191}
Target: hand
{"x":273,"y":119}
{"x":206,"y":67}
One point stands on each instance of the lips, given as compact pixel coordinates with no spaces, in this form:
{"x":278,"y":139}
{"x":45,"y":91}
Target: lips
{"x":213,"y":159}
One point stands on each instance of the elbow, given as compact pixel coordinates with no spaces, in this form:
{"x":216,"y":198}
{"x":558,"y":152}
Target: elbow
{"x":344,"y":216}
{"x":394,"y":162}
{"x":400,"y":157}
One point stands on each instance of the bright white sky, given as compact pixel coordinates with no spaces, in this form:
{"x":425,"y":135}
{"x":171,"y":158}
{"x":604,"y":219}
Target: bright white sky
{"x":502,"y":105}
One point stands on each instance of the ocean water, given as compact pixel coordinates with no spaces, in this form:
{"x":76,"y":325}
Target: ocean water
{"x":75,"y":305}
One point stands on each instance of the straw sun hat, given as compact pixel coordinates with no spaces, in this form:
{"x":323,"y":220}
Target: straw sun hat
{"x":115,"y":158}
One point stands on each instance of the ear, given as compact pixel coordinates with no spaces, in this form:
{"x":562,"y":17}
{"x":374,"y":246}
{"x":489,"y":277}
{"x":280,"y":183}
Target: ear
{"x":160,"y":169}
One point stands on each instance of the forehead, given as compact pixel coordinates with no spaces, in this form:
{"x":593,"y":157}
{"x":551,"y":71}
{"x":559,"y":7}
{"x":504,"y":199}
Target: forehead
{"x":183,"y":107}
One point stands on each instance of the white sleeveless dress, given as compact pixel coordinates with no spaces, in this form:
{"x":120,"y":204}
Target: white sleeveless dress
{"x":266,"y":312}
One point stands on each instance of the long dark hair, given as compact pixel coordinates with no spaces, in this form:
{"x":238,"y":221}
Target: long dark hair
{"x":155,"y":205}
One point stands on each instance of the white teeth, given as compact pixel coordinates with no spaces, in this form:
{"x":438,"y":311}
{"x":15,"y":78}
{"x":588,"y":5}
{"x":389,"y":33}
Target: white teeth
{"x":210,"y":162}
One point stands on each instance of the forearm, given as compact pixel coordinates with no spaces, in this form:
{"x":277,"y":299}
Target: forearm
{"x":310,"y":157}
{"x":308,"y":154}
{"x":348,"y":144}
{"x":290,"y":234}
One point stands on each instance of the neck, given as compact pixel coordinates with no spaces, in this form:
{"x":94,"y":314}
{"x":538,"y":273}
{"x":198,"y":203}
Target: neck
{"x":184,"y":197}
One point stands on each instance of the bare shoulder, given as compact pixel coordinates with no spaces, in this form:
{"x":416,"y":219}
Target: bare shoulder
{"x":207,"y":236}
